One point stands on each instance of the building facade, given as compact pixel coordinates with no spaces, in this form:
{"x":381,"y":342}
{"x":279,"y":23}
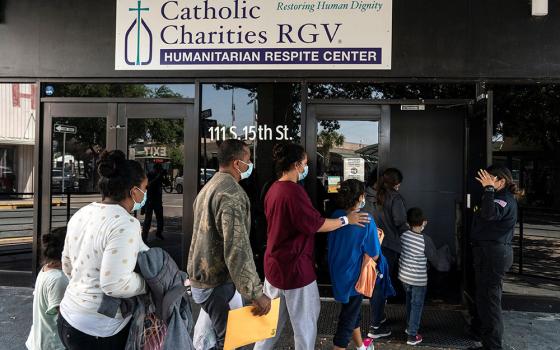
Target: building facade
{"x":419,"y":97}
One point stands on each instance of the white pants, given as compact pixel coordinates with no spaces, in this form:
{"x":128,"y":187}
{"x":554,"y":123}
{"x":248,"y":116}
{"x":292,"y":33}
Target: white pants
{"x":302,"y":306}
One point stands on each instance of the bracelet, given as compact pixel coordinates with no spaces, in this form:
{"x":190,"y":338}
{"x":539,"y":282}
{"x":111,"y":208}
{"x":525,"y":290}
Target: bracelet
{"x":344,"y":220}
{"x":490,"y":189}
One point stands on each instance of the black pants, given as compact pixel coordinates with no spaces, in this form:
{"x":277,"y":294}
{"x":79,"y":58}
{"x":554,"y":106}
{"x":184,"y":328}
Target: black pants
{"x":491,"y":262}
{"x":378,"y":300}
{"x":348,"y":320}
{"x":217,"y":308}
{"x":74,"y":339}
{"x":152,"y":208}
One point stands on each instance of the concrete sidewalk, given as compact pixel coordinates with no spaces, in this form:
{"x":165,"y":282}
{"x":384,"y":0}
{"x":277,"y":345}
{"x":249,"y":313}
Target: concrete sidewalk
{"x":524,"y":330}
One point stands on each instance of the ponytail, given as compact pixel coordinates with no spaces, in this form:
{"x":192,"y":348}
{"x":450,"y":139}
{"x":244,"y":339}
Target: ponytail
{"x":501,"y":172}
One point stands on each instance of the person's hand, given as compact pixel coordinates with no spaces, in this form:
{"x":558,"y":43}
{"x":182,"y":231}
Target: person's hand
{"x":357,"y":218}
{"x":486,"y":179}
{"x":380,"y":234}
{"x":261,"y":306}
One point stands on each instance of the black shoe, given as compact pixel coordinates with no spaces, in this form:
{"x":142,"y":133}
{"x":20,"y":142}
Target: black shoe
{"x":379,"y":332}
{"x":414,"y":339}
{"x":384,"y":319}
{"x":473,"y":333}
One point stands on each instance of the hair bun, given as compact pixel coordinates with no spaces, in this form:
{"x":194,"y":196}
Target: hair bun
{"x":111,"y":163}
{"x":279,"y":151}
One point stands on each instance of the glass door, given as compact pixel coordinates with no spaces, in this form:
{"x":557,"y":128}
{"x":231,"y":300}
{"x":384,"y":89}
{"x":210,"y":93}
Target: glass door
{"x":74,"y":136}
{"x":150,"y":131}
{"x":154,"y":135}
{"x":343,"y":142}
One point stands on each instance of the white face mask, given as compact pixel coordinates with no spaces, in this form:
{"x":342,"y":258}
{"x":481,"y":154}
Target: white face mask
{"x":247,"y":172}
{"x":139,"y":205}
{"x":302,"y":176}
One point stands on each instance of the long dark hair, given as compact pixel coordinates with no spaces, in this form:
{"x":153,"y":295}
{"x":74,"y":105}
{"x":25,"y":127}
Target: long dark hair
{"x":503,"y":173}
{"x":285,"y":155}
{"x":349,"y":193}
{"x":118,"y":175}
{"x":387,"y":182}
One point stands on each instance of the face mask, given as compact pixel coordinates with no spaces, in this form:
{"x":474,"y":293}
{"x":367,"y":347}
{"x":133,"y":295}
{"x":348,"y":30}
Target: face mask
{"x":247,"y":172}
{"x":362,"y":203}
{"x":302,"y":176}
{"x":138,"y":206}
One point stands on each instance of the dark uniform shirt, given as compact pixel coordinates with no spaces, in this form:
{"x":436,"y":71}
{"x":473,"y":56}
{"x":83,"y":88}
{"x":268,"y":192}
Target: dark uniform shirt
{"x":155,"y":186}
{"x":496,"y":218}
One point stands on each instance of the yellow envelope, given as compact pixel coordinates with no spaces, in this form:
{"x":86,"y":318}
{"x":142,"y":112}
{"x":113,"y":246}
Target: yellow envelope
{"x":243,"y":328}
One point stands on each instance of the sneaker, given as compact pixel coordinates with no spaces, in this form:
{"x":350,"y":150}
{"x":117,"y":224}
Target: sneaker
{"x":414,"y":339}
{"x":368,"y":343}
{"x":384,"y":319}
{"x":379,"y":332}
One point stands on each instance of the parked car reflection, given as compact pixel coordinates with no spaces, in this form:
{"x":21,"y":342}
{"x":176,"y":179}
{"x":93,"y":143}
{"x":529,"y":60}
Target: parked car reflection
{"x":203,"y":179}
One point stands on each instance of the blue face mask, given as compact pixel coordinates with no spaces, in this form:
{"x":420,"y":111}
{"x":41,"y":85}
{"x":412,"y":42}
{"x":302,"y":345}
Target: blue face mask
{"x":247,"y":172}
{"x":302,"y":176}
{"x":138,"y":206}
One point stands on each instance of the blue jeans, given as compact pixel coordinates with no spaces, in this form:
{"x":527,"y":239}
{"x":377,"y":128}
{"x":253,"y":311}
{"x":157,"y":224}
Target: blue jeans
{"x":378,"y":300}
{"x":414,"y":304}
{"x":348,"y":320}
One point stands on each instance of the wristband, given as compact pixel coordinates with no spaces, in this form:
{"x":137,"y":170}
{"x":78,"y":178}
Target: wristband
{"x":490,"y":189}
{"x":344,"y":220}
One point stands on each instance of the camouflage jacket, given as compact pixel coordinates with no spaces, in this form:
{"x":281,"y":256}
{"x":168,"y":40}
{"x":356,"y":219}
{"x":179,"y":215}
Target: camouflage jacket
{"x":220,"y":250}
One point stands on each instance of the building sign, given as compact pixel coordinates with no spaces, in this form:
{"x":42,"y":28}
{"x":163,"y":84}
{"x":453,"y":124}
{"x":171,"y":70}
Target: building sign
{"x":354,"y":168}
{"x":253,"y":34}
{"x":147,"y":151}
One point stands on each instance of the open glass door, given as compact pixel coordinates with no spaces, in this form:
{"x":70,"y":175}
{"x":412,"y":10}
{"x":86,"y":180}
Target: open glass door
{"x":154,"y":135}
{"x":346,"y":145}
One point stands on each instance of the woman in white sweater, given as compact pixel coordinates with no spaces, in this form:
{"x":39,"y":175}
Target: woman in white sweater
{"x":99,"y":257}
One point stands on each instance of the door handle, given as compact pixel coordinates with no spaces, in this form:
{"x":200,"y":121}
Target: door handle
{"x":117,"y":127}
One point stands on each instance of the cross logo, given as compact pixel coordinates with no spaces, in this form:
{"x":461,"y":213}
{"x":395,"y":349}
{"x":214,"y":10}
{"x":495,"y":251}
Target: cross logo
{"x":140,"y":25}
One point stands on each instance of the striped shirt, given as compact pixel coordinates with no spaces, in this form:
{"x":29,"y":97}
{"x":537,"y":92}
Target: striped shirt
{"x":413,"y":261}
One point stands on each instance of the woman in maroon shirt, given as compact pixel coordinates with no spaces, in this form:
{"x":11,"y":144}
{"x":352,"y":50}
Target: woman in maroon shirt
{"x":292,"y":222}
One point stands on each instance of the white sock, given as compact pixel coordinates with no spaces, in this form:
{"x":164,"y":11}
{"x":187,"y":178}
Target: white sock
{"x":363,"y":347}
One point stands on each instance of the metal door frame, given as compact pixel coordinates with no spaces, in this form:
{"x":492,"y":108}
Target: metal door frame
{"x":344,"y":110}
{"x":116,"y":111}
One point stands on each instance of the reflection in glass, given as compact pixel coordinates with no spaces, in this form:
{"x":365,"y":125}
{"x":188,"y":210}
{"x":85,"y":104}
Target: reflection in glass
{"x":527,"y":140}
{"x":232,"y":108}
{"x":158,"y":145}
{"x":385,"y":91}
{"x":77,"y":144}
{"x":18,"y":113}
{"x":119,"y":90}
{"x":345,"y":150}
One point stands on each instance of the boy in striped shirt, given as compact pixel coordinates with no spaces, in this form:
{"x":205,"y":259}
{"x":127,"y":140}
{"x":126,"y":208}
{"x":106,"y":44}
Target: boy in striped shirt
{"x":413,"y":272}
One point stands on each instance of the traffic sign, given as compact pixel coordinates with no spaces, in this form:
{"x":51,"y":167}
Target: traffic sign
{"x":66,"y":129}
{"x":205,"y":114}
